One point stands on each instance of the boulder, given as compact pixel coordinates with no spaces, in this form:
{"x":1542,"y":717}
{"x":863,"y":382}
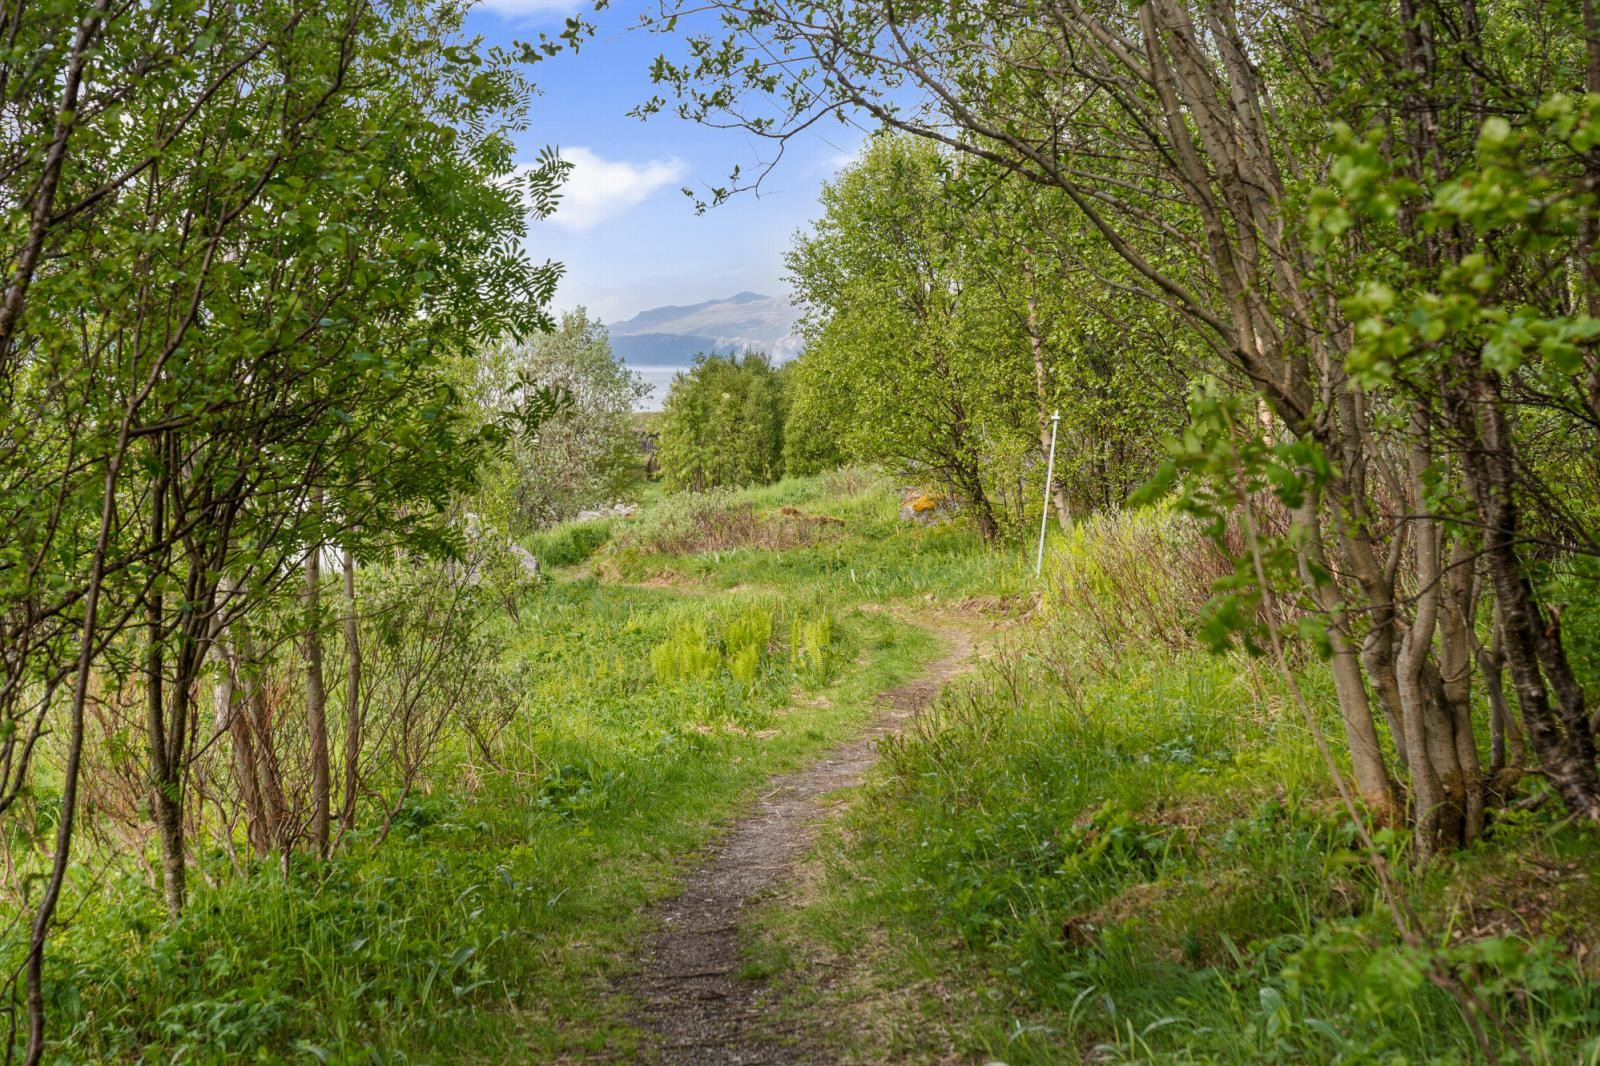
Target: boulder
{"x":925,"y":507}
{"x":526,"y":560}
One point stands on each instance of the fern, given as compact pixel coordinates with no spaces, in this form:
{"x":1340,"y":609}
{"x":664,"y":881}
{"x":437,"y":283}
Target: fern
{"x":810,"y":642}
{"x":685,"y":656}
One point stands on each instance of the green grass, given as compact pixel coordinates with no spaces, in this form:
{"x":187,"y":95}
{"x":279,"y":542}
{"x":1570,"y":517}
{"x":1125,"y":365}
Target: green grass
{"x":1110,"y":846}
{"x":496,"y":911}
{"x":569,"y":543}
{"x":490,"y":923}
{"x":870,"y":555}
{"x":1104,"y":843}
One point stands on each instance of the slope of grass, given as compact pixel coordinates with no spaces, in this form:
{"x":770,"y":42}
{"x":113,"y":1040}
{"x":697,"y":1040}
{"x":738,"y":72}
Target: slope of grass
{"x":840,"y":531}
{"x":488,"y":923}
{"x":1112,"y":846}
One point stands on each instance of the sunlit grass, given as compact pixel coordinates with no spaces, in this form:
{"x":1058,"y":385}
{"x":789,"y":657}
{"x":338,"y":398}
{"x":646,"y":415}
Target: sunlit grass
{"x":488,"y":922}
{"x":1115,"y":843}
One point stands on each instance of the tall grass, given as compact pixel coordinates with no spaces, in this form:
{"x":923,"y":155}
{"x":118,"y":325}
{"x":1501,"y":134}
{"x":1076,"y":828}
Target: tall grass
{"x":847,"y":536}
{"x":508,"y":890}
{"x":570,"y":543}
{"x":1122,"y":584}
{"x":1112,"y":844}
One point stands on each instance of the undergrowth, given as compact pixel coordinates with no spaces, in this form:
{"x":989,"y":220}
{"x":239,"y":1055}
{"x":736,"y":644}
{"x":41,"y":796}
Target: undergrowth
{"x":570,"y":543}
{"x":840,"y":531}
{"x":487,"y":922}
{"x":1113,"y":845}
{"x":512,"y":879}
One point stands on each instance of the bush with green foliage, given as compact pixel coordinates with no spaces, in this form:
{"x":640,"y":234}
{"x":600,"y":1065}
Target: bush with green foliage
{"x":820,"y":412}
{"x":722,"y":423}
{"x":590,"y":453}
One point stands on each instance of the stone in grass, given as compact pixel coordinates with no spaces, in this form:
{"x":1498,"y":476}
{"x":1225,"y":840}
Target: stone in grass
{"x":616,"y":510}
{"x":924,"y":507}
{"x":526,"y":561}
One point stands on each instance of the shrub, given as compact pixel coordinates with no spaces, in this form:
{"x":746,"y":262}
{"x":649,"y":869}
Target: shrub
{"x":589,"y":454}
{"x":1127,"y":579}
{"x":570,"y":543}
{"x":819,"y":409}
{"x":689,"y":523}
{"x":722,"y":424}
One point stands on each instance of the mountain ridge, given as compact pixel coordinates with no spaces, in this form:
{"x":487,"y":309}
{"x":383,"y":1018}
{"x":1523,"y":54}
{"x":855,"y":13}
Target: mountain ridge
{"x":672,"y":335}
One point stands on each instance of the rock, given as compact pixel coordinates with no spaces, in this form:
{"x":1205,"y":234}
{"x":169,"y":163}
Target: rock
{"x":616,"y":510}
{"x":924,"y":507}
{"x":528,"y":562}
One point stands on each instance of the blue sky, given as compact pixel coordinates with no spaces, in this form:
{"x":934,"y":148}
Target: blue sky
{"x":629,"y":238}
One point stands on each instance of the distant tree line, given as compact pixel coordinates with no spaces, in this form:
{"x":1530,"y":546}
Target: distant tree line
{"x":944,"y":327}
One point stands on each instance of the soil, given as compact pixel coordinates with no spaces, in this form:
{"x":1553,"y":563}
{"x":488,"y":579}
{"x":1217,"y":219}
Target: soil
{"x":691,"y":1000}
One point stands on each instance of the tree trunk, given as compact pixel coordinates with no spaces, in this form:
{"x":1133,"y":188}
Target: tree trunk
{"x":269,"y":778}
{"x":1041,"y":392}
{"x":166,"y":803}
{"x":352,"y":695}
{"x":966,"y":477}
{"x":1455,"y":683}
{"x":1355,"y":709}
{"x":1507,"y":746}
{"x":316,"y":704}
{"x":1437,"y":790}
{"x":1564,"y":745}
{"x":982,"y":512}
{"x":233,"y":719}
{"x":166,"y":800}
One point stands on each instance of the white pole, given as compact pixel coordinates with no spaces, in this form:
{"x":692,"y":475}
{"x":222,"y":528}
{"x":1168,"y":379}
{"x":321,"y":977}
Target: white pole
{"x":1049,"y":477}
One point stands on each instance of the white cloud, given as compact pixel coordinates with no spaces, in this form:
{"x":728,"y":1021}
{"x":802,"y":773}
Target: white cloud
{"x":829,"y":164}
{"x":598,"y":189}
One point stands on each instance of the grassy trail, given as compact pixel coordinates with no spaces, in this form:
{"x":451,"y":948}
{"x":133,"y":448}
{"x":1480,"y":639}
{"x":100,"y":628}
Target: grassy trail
{"x":655,"y":699}
{"x":1111,"y":844}
{"x":583,"y":1006}
{"x":1106,"y":844}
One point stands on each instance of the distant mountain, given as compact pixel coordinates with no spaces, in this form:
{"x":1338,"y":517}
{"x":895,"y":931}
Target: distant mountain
{"x":673,"y":336}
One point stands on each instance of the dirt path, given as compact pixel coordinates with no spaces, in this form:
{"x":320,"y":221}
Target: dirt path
{"x":690,"y":996}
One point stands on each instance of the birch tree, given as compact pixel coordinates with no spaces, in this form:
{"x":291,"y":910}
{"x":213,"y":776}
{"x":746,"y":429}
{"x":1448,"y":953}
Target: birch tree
{"x":1193,"y":139}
